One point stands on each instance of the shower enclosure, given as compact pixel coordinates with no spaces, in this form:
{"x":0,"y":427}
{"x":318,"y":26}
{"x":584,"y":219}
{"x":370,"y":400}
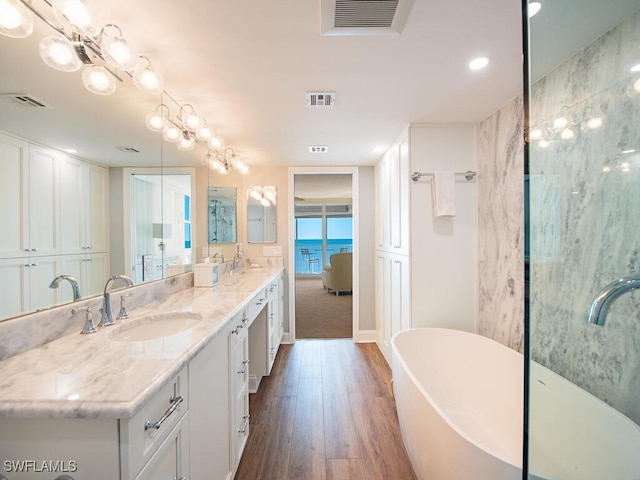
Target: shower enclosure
{"x":583,"y":214}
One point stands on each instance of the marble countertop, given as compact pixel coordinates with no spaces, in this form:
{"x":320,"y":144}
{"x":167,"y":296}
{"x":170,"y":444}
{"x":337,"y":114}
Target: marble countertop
{"x":93,"y":376}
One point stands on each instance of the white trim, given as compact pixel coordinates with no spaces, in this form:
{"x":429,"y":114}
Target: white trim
{"x":366,"y":336}
{"x":355,"y":192}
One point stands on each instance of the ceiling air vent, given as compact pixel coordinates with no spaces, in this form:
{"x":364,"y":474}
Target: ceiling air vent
{"x":364,"y":17}
{"x":321,"y":99}
{"x":24,"y":100}
{"x":365,"y":13}
{"x":318,"y":149}
{"x":128,"y":149}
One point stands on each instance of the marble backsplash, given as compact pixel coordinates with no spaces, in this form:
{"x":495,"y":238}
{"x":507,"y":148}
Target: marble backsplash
{"x":29,"y":331}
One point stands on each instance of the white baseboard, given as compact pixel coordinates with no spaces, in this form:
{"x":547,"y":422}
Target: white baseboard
{"x":254,"y":383}
{"x":366,"y":336}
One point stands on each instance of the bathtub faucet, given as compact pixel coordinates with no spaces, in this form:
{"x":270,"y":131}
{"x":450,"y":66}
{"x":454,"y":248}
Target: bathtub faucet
{"x":600,"y":306}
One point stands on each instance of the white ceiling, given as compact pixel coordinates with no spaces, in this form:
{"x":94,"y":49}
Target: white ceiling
{"x":246,"y":66}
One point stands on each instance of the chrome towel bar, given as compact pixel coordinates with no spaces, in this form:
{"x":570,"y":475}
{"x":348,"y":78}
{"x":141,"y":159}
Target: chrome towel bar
{"x":469,"y":175}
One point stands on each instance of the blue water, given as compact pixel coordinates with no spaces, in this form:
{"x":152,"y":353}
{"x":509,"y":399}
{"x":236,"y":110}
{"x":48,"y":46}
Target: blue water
{"x":314,"y":267}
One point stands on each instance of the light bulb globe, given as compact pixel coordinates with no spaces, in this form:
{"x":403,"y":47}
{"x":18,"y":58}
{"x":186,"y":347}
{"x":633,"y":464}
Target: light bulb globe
{"x":58,"y":52}
{"x":15,"y":19}
{"x":98,"y":80}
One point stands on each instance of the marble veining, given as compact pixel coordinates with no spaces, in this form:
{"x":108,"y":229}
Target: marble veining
{"x":500,"y":226}
{"x":92,"y":376}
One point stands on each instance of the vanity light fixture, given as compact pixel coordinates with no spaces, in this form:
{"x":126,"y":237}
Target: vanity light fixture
{"x":223,"y":162}
{"x":15,"y":19}
{"x":171,"y":132}
{"x":76,"y":14}
{"x":157,"y":121}
{"x":115,"y":49}
{"x":98,"y":80}
{"x":186,"y":143}
{"x":58,"y":52}
{"x":216,"y":142}
{"x":146,"y":78}
{"x":189,"y":118}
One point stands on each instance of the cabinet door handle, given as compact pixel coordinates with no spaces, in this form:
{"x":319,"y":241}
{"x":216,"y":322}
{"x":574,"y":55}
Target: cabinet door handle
{"x":175,"y":402}
{"x":245,"y":424}
{"x":244,"y":369}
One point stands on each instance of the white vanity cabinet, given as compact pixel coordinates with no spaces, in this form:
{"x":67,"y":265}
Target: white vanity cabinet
{"x":239,"y":388}
{"x":101,"y":448}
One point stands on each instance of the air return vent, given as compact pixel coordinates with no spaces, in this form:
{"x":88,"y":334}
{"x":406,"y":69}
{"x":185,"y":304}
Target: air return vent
{"x":321,"y":99}
{"x":364,"y":17}
{"x":128,"y":149}
{"x":24,"y":100}
{"x":318,"y":149}
{"x":365,"y":13}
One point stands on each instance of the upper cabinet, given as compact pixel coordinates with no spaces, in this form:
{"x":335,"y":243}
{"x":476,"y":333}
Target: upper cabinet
{"x":84,"y":207}
{"x":28,"y":184}
{"x":392,"y":199}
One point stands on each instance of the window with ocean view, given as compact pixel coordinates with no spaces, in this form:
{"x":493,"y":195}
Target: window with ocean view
{"x":313,"y":249}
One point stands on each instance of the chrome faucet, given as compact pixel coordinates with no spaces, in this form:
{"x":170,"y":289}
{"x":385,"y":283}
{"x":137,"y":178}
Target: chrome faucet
{"x":236,"y":260}
{"x":74,"y":285}
{"x":221,"y":256}
{"x":600,"y":306}
{"x":107,"y":315}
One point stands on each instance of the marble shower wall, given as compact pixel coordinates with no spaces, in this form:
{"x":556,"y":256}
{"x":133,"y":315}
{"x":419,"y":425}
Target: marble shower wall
{"x":501,"y":226}
{"x":585,"y":219}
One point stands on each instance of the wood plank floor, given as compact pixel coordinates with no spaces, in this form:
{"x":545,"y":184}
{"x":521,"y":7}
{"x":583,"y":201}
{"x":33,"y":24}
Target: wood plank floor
{"x":326,"y":412}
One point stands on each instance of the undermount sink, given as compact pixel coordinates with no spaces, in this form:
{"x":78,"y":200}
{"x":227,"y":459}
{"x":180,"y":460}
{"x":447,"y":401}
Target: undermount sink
{"x":153,"y":327}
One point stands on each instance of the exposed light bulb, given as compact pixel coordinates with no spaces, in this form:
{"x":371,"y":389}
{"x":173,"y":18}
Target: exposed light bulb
{"x":15,"y":19}
{"x":172,"y":133}
{"x":58,"y":52}
{"x":116,"y":51}
{"x":186,"y":143}
{"x":191,"y":121}
{"x":533,"y":8}
{"x":559,"y":123}
{"x":535,"y":134}
{"x":75,"y":12}
{"x":155,"y":122}
{"x":98,"y":80}
{"x":595,"y":123}
{"x":145,"y":77}
{"x":215,"y":142}
{"x":543,"y":144}
{"x":204,"y":133}
{"x":567,"y":134}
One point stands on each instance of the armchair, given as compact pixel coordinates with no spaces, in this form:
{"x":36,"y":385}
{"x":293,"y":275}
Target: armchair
{"x":338,"y":276}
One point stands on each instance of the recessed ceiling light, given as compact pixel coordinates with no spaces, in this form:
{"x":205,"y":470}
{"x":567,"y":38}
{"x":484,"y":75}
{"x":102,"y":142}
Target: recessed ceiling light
{"x":478,"y":63}
{"x":533,"y":8}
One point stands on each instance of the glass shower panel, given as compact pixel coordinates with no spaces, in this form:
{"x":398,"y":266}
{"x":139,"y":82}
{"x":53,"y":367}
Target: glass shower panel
{"x":583,"y":182}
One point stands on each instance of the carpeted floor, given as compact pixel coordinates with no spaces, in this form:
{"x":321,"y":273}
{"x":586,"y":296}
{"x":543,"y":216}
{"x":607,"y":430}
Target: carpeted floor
{"x":320,"y":314}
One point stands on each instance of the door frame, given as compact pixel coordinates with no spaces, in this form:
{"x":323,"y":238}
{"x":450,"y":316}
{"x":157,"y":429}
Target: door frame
{"x":290,"y":336}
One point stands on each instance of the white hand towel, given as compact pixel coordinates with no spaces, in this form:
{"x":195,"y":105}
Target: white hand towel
{"x":444,"y":195}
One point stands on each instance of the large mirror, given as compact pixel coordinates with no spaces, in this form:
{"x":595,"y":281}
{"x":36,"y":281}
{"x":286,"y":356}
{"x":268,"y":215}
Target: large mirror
{"x":261,"y":214}
{"x":222,"y":215}
{"x":65,"y":191}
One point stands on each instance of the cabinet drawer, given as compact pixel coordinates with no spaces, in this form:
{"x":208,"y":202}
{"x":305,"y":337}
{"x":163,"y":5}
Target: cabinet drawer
{"x":240,"y":425}
{"x":239,"y":370}
{"x":171,"y":459}
{"x":256,"y":304}
{"x":142,"y":434}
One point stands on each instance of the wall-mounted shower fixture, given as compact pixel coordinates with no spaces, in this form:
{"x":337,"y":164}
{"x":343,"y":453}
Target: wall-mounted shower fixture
{"x":600,"y":306}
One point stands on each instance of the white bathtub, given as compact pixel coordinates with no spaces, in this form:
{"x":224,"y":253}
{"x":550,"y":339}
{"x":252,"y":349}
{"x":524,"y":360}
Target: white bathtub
{"x":459,"y":398}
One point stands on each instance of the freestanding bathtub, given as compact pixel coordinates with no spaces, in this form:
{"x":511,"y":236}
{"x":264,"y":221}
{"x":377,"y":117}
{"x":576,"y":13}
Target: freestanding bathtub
{"x":459,"y":398}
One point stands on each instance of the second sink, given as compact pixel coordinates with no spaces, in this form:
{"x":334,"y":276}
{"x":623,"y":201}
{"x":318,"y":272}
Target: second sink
{"x":153,"y":327}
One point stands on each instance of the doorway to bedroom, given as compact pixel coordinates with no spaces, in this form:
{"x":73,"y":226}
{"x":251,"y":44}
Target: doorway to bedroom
{"x":323,"y":240}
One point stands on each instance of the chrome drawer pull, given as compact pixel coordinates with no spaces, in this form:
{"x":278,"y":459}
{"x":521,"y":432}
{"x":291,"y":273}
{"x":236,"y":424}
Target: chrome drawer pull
{"x":175,"y":402}
{"x":245,"y":424}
